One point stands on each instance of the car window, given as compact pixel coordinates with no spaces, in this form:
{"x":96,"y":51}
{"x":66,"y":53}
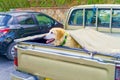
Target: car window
{"x":76,"y":17}
{"x":4,"y":19}
{"x":1,"y":18}
{"x":11,"y":22}
{"x":90,"y":17}
{"x":25,"y":20}
{"x":115,"y":18}
{"x":44,"y":20}
{"x":104,"y":17}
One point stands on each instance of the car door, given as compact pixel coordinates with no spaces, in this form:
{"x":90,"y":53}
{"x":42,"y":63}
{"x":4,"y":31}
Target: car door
{"x":27,"y":25}
{"x":45,"y":22}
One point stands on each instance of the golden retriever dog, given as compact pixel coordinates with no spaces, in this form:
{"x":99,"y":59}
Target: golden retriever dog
{"x":59,"y":37}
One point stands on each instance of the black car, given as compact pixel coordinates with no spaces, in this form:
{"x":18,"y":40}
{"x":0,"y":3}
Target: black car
{"x":14,"y":25}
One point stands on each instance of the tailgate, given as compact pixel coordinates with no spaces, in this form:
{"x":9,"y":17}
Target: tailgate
{"x":63,"y":63}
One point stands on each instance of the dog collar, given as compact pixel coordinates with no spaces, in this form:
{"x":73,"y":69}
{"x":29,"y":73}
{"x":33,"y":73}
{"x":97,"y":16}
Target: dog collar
{"x":65,"y":39}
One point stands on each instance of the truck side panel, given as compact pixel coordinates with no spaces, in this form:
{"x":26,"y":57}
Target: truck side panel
{"x":59,"y":67}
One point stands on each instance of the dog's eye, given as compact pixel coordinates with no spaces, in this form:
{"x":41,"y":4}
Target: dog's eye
{"x":51,"y":32}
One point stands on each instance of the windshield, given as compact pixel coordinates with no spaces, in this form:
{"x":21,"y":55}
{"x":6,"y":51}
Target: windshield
{"x":4,"y":19}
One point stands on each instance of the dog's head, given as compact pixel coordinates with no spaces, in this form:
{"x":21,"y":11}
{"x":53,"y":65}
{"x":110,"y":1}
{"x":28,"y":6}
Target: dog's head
{"x":55,"y":35}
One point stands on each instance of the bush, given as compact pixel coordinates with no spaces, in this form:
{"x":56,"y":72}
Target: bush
{"x":11,"y":4}
{"x":6,"y":5}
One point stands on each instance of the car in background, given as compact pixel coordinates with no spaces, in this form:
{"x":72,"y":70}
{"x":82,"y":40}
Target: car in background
{"x":18,"y":24}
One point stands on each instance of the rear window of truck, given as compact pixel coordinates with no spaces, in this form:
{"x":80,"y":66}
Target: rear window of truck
{"x":96,"y":17}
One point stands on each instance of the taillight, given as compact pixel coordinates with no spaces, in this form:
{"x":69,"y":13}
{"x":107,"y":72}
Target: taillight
{"x":15,"y":57}
{"x":117,"y":73}
{"x":4,"y":31}
{"x":16,"y":61}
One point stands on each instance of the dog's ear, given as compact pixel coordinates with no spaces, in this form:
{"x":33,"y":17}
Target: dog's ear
{"x":60,"y":33}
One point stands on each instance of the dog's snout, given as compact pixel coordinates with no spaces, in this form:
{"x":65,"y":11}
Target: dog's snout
{"x":47,"y":36}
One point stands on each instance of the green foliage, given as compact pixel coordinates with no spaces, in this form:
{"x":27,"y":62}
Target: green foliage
{"x":63,"y":2}
{"x":11,"y":4}
{"x":89,"y":1}
{"x":117,"y":1}
{"x":78,"y":1}
{"x":60,"y":2}
{"x":66,"y":3}
{"x":50,"y":3}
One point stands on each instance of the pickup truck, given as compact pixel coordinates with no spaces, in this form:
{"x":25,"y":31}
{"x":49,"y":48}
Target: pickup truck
{"x":36,"y":60}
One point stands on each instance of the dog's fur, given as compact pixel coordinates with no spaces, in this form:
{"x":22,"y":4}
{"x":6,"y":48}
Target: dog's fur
{"x":56,"y":37}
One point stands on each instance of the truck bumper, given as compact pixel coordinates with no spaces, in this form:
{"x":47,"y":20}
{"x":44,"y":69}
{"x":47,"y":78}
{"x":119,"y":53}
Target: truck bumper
{"x":16,"y":75}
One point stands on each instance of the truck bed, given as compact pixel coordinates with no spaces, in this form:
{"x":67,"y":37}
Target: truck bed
{"x":64,"y":63}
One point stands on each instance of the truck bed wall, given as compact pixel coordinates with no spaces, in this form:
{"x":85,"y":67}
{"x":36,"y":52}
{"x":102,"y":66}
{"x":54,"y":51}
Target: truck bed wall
{"x":48,"y":61}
